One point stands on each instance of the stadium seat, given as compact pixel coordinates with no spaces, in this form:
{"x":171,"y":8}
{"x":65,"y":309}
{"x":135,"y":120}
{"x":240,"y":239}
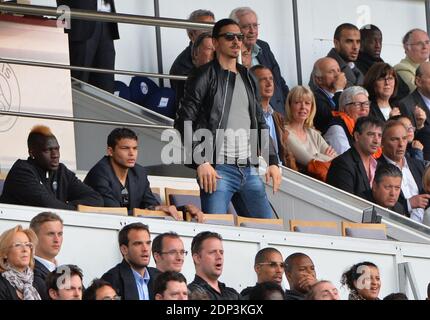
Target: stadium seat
{"x":329,"y":228}
{"x":258,"y":223}
{"x":377,"y":231}
{"x":157,"y":194}
{"x":155,"y":214}
{"x":121,"y":211}
{"x":141,"y":88}
{"x":122,"y":90}
{"x":162,"y":101}
{"x":218,"y":219}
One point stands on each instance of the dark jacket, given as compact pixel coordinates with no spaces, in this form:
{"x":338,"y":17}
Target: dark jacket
{"x":182,"y":66}
{"x":82,"y":30}
{"x":207,"y":101}
{"x":347,"y":172}
{"x":40,"y":273}
{"x":423,"y":136}
{"x":353,"y":76}
{"x":203,"y":287}
{"x":122,"y":279}
{"x":414,"y":152}
{"x":26,"y":184}
{"x":294,"y":295}
{"x":102,"y":178}
{"x":398,"y":207}
{"x":8,"y":292}
{"x":376,"y":112}
{"x":417,"y":169}
{"x":266,"y":58}
{"x":408,"y":104}
{"x":325,"y":106}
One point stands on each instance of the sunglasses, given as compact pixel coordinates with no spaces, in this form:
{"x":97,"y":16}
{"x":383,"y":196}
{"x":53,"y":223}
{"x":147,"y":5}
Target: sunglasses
{"x":230,"y":36}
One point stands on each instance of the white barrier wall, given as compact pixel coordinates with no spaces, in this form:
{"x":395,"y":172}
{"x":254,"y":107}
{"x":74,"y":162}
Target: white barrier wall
{"x":90,"y":241}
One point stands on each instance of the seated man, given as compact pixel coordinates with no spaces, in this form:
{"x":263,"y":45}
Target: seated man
{"x":259,"y":52}
{"x":416,"y":43}
{"x":208,"y":257}
{"x":42,"y":181}
{"x":168,"y":252}
{"x":386,"y":188}
{"x":170,"y":285}
{"x":124,"y":183}
{"x":65,"y":283}
{"x":323,"y":290}
{"x":267,"y":291}
{"x":269,"y":266}
{"x":329,"y":83}
{"x":100,"y":290}
{"x":300,"y":272}
{"x":412,"y":196}
{"x":354,"y":170}
{"x":48,"y":227}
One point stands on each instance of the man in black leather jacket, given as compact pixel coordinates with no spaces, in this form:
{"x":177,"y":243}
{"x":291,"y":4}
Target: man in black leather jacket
{"x":220,"y":97}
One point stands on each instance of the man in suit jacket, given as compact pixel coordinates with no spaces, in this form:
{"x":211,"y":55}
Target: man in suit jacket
{"x":259,"y":52}
{"x":394,"y":142}
{"x":132,"y":279}
{"x":354,"y":170}
{"x":91,"y":43}
{"x":48,"y":227}
{"x":124,"y":183}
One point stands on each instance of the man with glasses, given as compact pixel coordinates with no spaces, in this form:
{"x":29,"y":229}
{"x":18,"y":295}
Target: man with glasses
{"x":301,"y":275}
{"x":258,"y":52}
{"x":168,"y":252}
{"x":269,"y":266}
{"x":124,"y":183}
{"x":416,"y":43}
{"x":220,"y":100}
{"x":132,"y":279}
{"x":354,"y":170}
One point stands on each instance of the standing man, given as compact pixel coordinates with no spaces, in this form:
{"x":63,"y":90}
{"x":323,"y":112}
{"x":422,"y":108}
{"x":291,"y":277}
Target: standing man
{"x":208,"y":257}
{"x":220,"y":97}
{"x":259,"y":52}
{"x":48,"y":227}
{"x":132,"y":279}
{"x":168,"y":252}
{"x":91,"y":43}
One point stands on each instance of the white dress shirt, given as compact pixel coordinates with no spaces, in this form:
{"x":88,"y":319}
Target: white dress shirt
{"x":48,"y":264}
{"x":103,"y":6}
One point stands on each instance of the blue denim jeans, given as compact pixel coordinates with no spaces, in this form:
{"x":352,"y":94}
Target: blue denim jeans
{"x":243,"y":187}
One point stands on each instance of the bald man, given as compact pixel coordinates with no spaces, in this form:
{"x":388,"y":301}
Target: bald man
{"x":329,"y":83}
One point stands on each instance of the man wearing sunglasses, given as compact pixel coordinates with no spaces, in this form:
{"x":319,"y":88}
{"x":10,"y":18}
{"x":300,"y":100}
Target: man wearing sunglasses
{"x":220,"y":101}
{"x":261,"y":54}
{"x":269,"y":266}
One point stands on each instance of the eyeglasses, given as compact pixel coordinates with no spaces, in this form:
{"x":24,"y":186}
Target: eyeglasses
{"x":22,"y":245}
{"x":362,"y":105}
{"x":411,"y":129}
{"x":273,"y":264}
{"x":230,"y":36}
{"x":112,"y":298}
{"x":421,"y":44}
{"x":124,"y":197}
{"x":176,"y":253}
{"x":388,"y":79}
{"x":248,"y":26}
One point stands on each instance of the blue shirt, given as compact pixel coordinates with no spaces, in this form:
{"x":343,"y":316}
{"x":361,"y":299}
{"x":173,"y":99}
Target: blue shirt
{"x":142,"y":284}
{"x":254,"y":53}
{"x":271,"y":124}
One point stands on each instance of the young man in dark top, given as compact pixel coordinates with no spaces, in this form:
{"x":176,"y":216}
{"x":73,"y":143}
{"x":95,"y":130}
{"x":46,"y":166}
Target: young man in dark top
{"x":301,"y":275}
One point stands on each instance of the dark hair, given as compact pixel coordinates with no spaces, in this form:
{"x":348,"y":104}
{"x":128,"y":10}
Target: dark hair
{"x":367,"y":30}
{"x":377,"y":71}
{"x":41,"y":218}
{"x":157,"y":243}
{"x":387,"y":170}
{"x":160,"y":282}
{"x":396,"y":296}
{"x":365,"y":122}
{"x":69,"y":269}
{"x":289,"y":261}
{"x":343,"y":26}
{"x":257,"y":67}
{"x":196,"y":244}
{"x":198,"y":42}
{"x":428,"y":291}
{"x":261,"y":255}
{"x":220,"y":24}
{"x":351,"y":275}
{"x":38,"y":136}
{"x":262,"y":291}
{"x":118,"y":134}
{"x":91,"y":292}
{"x":123,"y":233}
{"x":390,"y":124}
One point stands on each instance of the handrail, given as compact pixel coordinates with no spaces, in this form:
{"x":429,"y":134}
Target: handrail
{"x":82,"y":120}
{"x":103,"y":16}
{"x":64,"y":66}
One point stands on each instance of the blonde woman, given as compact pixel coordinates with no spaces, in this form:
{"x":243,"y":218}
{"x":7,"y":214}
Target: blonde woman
{"x":16,"y":264}
{"x":304,"y":141}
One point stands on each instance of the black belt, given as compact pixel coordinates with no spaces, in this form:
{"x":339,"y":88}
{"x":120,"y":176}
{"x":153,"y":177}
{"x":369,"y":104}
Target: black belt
{"x":238,"y":162}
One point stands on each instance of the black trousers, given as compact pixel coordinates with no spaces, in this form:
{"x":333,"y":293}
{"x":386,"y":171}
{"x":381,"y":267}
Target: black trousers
{"x":96,"y":52}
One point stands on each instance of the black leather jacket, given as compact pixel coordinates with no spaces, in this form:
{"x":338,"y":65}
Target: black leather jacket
{"x":207,"y":101}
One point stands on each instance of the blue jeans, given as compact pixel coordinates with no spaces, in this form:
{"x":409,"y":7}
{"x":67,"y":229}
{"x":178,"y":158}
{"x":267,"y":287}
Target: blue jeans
{"x":243,"y":187}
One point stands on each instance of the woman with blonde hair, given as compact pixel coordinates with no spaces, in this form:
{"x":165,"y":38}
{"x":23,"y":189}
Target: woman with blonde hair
{"x":304,"y":141}
{"x":16,"y":264}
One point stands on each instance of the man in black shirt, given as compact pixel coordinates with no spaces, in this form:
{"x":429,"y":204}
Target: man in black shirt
{"x":208,"y":257}
{"x":300,"y":272}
